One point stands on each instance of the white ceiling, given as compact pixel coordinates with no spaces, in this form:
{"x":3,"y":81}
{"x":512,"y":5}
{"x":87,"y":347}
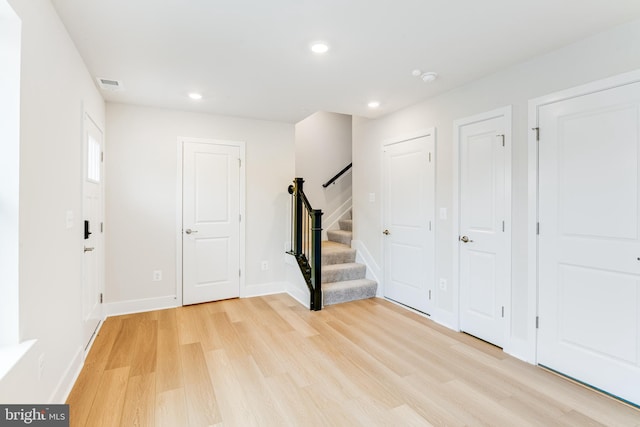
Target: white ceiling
{"x":251,"y":58}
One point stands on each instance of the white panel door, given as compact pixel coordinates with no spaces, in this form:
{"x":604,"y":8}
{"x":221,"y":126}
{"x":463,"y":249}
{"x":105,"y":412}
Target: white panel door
{"x":484,"y":249}
{"x":409,"y":243}
{"x":589,"y":242}
{"x":92,"y":208}
{"x":211,"y":222}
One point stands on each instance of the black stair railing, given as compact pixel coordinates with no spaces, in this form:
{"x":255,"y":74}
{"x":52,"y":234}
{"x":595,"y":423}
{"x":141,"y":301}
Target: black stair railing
{"x":338,"y":175}
{"x":306,"y":240}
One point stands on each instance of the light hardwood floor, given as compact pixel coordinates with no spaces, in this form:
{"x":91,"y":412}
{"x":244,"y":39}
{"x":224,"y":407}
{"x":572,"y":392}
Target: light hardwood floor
{"x":268,"y":361}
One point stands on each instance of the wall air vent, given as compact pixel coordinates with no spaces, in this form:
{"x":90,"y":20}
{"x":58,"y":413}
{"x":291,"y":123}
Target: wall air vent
{"x":110,"y":84}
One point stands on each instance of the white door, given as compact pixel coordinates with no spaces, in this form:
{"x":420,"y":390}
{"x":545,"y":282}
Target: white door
{"x":210,"y":222}
{"x":484,"y":248}
{"x":409,"y":243}
{"x":589,"y":239}
{"x":91,"y":228}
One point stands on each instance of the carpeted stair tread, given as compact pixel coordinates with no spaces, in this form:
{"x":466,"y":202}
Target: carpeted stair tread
{"x":344,"y":271}
{"x":346,"y":224}
{"x":348,"y":290}
{"x":340,"y":236}
{"x":336,"y":253}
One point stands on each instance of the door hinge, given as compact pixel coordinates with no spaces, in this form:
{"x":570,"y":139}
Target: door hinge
{"x":502,"y":136}
{"x":239,"y":273}
{"x":239,"y":163}
{"x":538,"y":228}
{"x":429,"y":225}
{"x":102,"y":156}
{"x":503,"y":311}
{"x":240,"y":217}
{"x":537,"y":133}
{"x":429,"y":157}
{"x":537,"y":322}
{"x":101,"y":297}
{"x":102,"y":227}
{"x":429,"y":294}
{"x":503,"y":226}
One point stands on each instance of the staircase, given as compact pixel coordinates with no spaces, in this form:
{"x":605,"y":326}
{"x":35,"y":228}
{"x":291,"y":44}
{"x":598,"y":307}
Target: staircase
{"x":342,"y":278}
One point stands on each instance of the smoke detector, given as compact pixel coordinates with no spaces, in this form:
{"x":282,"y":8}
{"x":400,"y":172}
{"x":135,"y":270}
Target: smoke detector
{"x":111,"y":85}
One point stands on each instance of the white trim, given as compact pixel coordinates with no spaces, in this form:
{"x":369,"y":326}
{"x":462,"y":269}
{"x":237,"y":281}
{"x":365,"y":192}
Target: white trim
{"x":505,"y":112}
{"x":261,"y":289}
{"x":299,"y":295}
{"x":243,"y":195}
{"x":10,"y":355}
{"x":373,"y":271}
{"x":68,"y":380}
{"x":329,"y":222}
{"x":529,"y":352}
{"x":140,"y":305}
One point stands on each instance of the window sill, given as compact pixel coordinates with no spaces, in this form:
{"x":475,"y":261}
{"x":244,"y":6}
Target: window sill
{"x":10,"y":355}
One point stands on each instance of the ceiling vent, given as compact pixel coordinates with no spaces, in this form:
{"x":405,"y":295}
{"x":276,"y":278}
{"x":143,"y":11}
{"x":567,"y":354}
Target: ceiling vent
{"x":110,"y":84}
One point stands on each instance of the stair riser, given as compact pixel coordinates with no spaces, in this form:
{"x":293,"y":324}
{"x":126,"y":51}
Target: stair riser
{"x":339,"y":258}
{"x":351,"y":273}
{"x":335,"y":236}
{"x":346,"y":224}
{"x":336,"y":296}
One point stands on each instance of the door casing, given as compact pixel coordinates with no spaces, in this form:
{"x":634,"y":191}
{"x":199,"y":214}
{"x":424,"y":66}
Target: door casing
{"x":179,"y":256}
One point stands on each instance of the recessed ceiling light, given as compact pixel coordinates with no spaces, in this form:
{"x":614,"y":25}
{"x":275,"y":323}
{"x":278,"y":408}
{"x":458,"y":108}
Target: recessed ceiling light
{"x":373,"y":104}
{"x":429,"y":77}
{"x":194,"y":95}
{"x":319,"y":47}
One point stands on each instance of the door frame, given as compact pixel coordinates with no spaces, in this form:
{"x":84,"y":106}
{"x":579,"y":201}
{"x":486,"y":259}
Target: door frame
{"x":396,"y":140}
{"x":529,"y":348}
{"x":86,"y":116}
{"x":179,"y":183}
{"x":455,"y":214}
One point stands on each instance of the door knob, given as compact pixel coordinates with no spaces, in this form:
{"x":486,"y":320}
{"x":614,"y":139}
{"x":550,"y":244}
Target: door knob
{"x":465,"y":239}
{"x":189,"y":231}
{"x":386,"y":232}
{"x":86,"y":249}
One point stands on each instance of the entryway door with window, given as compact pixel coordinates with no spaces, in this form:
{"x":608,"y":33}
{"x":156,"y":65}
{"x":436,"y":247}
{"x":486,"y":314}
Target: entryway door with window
{"x":589,"y":236}
{"x":484,"y":237}
{"x":92,"y":228}
{"x":409,"y":235}
{"x":211,"y":218}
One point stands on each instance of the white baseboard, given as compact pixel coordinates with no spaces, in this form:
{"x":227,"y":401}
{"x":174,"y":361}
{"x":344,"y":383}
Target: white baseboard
{"x":374,"y":272}
{"x":68,"y":380}
{"x":140,"y":305}
{"x":299,"y":295}
{"x":263,"y":289}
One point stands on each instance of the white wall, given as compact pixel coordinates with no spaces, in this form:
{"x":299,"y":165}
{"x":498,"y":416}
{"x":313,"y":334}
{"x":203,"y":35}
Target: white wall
{"x":9,"y":172}
{"x":323,"y":148}
{"x":141,"y":174}
{"x":55,"y":87}
{"x":597,"y":57}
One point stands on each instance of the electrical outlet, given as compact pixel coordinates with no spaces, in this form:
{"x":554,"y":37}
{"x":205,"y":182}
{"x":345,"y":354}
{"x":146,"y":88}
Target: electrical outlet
{"x":264,"y":265}
{"x":443,"y":284}
{"x":40,"y":366}
{"x":157,"y":275}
